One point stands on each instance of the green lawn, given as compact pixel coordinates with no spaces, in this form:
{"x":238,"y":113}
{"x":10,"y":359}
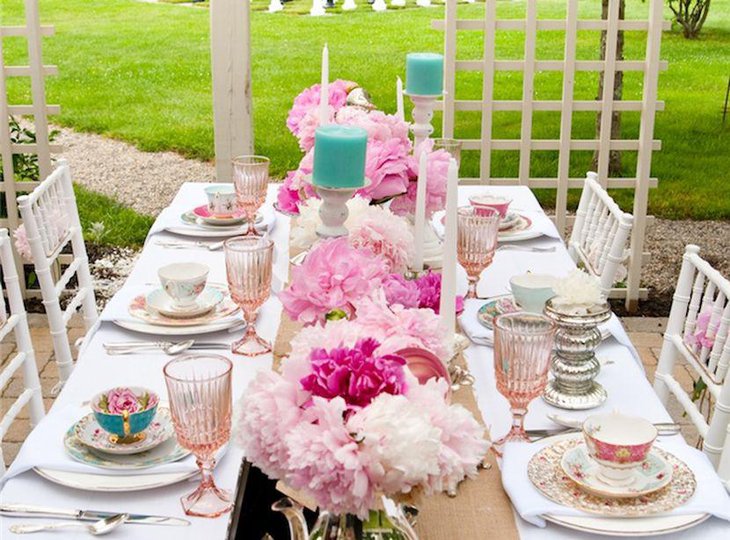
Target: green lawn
{"x":140,"y":72}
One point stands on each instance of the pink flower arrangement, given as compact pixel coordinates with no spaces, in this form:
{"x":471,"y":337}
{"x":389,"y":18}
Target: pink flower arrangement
{"x":303,"y":117}
{"x":120,"y":400}
{"x":437,"y":166}
{"x":422,"y":292}
{"x":384,"y":234}
{"x":333,"y":276}
{"x":21,"y":243}
{"x":702,"y":337}
{"x":345,"y":423}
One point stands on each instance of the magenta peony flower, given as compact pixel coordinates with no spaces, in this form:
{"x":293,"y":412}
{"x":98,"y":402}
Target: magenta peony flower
{"x":308,"y":102}
{"x":356,"y":374}
{"x":436,"y":177}
{"x":429,"y":286}
{"x":21,"y":243}
{"x":120,"y":400}
{"x":401,"y":291}
{"x":333,"y":276}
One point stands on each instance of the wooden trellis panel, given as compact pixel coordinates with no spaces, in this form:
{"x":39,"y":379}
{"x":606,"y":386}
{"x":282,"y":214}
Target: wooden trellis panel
{"x":529,"y":65}
{"x":32,"y":31}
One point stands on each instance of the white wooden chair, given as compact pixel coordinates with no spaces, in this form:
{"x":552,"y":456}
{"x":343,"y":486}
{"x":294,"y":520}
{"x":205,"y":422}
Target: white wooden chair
{"x":600,"y":233}
{"x":697,"y":332}
{"x":51,"y":221}
{"x":24,"y":360}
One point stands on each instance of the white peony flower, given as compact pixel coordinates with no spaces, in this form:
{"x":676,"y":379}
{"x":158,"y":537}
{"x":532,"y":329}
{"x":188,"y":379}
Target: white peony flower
{"x":578,"y":291}
{"x":304,"y":230}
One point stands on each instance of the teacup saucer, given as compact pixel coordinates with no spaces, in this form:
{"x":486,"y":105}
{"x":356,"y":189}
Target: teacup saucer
{"x":89,"y":432}
{"x":496,"y":306}
{"x":509,"y":221}
{"x":652,"y":475}
{"x":158,"y":300}
{"x":203,"y":213}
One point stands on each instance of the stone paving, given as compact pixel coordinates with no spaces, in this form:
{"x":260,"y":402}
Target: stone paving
{"x":645,"y":333}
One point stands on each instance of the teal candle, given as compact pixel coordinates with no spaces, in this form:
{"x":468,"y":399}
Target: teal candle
{"x":339,"y":156}
{"x":424,"y":74}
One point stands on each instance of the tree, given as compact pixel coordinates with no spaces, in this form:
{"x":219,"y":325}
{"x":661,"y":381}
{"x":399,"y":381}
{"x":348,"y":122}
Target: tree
{"x":690,"y":14}
{"x":614,"y":162}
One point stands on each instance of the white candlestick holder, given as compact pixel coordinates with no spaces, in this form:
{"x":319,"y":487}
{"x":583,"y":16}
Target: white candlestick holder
{"x":333,"y":211}
{"x":421,"y":127}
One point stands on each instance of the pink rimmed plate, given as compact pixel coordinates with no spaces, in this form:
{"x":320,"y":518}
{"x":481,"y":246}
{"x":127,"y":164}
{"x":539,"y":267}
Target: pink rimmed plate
{"x":139,"y":309}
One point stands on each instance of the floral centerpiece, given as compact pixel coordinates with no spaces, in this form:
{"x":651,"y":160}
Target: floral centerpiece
{"x":577,"y":293}
{"x":346,"y":422}
{"x":390,"y":166}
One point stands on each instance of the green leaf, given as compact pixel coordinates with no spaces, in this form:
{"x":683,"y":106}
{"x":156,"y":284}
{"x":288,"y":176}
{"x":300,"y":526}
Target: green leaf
{"x":143,"y":401}
{"x":104,"y":403}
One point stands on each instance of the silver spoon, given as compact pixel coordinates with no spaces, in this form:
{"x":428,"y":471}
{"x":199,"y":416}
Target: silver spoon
{"x":98,"y":528}
{"x":167,"y":347}
{"x":664,"y":428}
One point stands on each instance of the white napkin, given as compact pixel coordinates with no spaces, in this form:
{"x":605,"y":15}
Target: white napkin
{"x":709,"y":497}
{"x":44,"y":448}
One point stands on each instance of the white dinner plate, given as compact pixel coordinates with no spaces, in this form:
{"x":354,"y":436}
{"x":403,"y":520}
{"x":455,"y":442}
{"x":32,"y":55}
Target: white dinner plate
{"x":504,"y":236}
{"x":268,"y":218}
{"x":156,"y":330}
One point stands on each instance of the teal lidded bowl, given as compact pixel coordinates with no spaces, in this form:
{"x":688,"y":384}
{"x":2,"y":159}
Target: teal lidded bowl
{"x":125,"y":412}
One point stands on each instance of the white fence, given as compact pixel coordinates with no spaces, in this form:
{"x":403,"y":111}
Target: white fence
{"x":569,"y":65}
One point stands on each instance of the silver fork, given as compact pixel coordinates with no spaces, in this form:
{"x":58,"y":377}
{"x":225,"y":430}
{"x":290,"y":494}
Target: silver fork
{"x":510,"y":247}
{"x":179,"y":244}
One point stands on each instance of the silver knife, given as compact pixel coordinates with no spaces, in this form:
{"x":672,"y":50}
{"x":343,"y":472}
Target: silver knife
{"x":27,"y":510}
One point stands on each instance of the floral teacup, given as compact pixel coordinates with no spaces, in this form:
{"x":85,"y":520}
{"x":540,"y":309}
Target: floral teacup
{"x":485,"y":201}
{"x":531,"y":291}
{"x":183,"y":282}
{"x":619,"y":443}
{"x":222,"y":200}
{"x":125,"y":412}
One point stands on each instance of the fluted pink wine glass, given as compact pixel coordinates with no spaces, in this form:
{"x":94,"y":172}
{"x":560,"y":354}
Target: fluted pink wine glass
{"x":251,"y":180}
{"x":249,"y":265}
{"x":523,"y":344}
{"x":199,"y":390}
{"x":476,"y":241}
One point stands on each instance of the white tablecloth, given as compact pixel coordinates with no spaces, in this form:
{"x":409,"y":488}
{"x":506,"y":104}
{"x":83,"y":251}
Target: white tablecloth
{"x":628,"y":389}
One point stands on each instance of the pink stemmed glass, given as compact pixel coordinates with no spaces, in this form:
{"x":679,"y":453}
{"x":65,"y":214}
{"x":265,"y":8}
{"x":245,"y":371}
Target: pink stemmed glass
{"x":249,"y":264}
{"x":251,"y":179}
{"x":199,"y":389}
{"x":523,"y":343}
{"x":476,"y":241}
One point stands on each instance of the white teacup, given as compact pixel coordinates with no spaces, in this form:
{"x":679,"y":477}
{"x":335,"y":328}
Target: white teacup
{"x":531,"y":291}
{"x":619,"y":443}
{"x":183,"y":282}
{"x":221,"y":200}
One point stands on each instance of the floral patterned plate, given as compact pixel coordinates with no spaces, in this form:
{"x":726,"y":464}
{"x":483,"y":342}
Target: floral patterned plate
{"x":88,"y":432}
{"x":203,"y":214}
{"x":654,"y":474}
{"x":140,"y":310}
{"x":546,"y":473}
{"x":160,"y":301}
{"x":495,"y":306}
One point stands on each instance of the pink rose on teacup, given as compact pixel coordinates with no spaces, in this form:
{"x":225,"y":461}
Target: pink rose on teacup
{"x":122,"y":399}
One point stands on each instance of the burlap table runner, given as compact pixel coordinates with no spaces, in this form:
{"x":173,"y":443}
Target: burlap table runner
{"x":481,"y":508}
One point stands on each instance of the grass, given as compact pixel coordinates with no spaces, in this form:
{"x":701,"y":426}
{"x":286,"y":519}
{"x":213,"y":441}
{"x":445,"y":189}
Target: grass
{"x":123,"y":226}
{"x":141,"y":72}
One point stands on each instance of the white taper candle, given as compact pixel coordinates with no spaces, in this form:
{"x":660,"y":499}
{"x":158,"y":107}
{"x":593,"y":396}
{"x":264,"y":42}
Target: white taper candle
{"x":419,"y":220}
{"x":324,"y":113}
{"x":447,"y":307}
{"x":399,"y":111}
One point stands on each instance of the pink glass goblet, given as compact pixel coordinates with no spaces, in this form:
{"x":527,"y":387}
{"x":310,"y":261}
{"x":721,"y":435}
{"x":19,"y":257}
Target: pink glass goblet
{"x":199,"y":389}
{"x":523,"y":343}
{"x":476,"y":241}
{"x":251,"y":179}
{"x":249,"y":261}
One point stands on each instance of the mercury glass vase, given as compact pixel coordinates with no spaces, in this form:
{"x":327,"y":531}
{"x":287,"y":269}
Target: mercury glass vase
{"x":574,"y":363}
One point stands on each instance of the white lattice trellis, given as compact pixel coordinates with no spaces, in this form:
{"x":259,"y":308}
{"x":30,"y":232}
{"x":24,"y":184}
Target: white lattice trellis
{"x":569,"y":65}
{"x":32,"y":31}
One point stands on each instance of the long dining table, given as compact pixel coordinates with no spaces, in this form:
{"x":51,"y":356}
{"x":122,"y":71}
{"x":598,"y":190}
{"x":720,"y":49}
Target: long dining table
{"x":95,"y":370}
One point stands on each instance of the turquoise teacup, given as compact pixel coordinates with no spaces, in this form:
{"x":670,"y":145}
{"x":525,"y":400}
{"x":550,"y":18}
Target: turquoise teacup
{"x":125,"y":412}
{"x":531,"y":291}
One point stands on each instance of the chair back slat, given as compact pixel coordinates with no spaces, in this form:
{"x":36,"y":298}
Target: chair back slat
{"x":23,"y":363}
{"x":52,"y":224}
{"x":698,"y":333}
{"x":600,"y":234}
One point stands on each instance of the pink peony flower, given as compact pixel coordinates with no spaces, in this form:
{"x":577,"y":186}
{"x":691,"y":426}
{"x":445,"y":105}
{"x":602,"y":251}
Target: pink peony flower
{"x":429,"y":286}
{"x":268,"y":411}
{"x":122,"y":399}
{"x":401,"y":291}
{"x":437,"y":166}
{"x":386,"y":166}
{"x":307,"y":102}
{"x":333,"y":276}
{"x":384,"y":234}
{"x":325,"y":461}
{"x":356,"y":374}
{"x":702,"y":337}
{"x":21,"y":243}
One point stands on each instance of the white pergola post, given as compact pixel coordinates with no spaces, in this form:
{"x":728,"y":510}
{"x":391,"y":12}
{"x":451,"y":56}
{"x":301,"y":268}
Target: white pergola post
{"x":231,"y":69}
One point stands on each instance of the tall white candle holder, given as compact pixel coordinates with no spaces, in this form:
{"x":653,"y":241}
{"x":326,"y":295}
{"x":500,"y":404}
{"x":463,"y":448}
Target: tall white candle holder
{"x":333,"y":211}
{"x":433,"y":248}
{"x":423,"y":107}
